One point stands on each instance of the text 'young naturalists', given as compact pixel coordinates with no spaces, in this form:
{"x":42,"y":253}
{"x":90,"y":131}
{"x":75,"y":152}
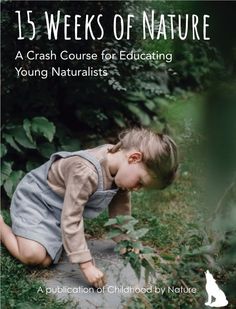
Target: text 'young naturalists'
{"x":91,"y":27}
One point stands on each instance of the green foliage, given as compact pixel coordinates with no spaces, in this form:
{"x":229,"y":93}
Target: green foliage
{"x":130,"y":248}
{"x":91,"y":108}
{"x":86,"y":108}
{"x":81,"y":105}
{"x":12,"y":181}
{"x":27,"y":145}
{"x":95,"y":227}
{"x":196,"y":64}
{"x":221,"y":180}
{"x":40,"y":126}
{"x":21,"y":141}
{"x":189,"y":236}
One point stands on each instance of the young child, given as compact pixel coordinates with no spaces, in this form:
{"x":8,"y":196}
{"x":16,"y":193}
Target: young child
{"x":49,"y":203}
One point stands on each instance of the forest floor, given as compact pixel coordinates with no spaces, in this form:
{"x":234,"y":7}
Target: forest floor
{"x":173,"y":217}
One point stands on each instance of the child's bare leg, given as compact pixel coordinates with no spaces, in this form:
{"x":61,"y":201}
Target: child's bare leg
{"x":27,"y":251}
{"x":47,"y":261}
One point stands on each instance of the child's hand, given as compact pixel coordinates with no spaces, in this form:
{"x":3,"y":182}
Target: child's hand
{"x":93,"y":275}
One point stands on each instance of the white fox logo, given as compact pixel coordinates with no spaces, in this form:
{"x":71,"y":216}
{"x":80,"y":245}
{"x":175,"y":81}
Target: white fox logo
{"x":214,"y":291}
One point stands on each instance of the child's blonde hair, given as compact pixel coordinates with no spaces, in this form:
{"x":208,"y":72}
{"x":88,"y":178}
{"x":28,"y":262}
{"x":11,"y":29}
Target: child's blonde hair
{"x":159,"y":152}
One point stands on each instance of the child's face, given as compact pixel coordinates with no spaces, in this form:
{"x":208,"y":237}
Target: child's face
{"x":132,"y":174}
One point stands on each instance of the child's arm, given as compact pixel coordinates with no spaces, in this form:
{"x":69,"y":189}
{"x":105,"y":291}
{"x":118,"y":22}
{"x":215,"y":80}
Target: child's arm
{"x":80,"y":181}
{"x":120,"y":205}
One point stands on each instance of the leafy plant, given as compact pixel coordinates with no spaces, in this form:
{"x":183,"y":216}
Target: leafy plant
{"x":82,"y":105}
{"x":27,"y":145}
{"x":19,"y":142}
{"x":196,"y":64}
{"x":131,"y":248}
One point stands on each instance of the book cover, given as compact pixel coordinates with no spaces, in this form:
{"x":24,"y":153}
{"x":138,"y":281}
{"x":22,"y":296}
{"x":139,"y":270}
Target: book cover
{"x":75,"y":74}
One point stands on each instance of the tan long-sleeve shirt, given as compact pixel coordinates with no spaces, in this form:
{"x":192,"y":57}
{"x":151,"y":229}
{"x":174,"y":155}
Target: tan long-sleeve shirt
{"x":76,"y":179}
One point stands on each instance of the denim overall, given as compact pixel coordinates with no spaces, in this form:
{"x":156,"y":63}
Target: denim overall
{"x":36,"y":209}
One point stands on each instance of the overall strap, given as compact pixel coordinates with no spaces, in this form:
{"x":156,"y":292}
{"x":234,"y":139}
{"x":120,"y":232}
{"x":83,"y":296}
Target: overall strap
{"x":86,"y":155}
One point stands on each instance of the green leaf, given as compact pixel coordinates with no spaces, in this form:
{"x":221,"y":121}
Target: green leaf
{"x":9,"y":139}
{"x":135,"y":96}
{"x":119,"y":121}
{"x":167,"y":257}
{"x":3,"y":150}
{"x":70,"y":144}
{"x":120,"y":245}
{"x":149,"y":258}
{"x":147,"y":250}
{"x":150,"y":105}
{"x":114,"y":233}
{"x":123,"y":219}
{"x":124,"y":244}
{"x":128,"y":217}
{"x":135,"y":263}
{"x":27,"y":128}
{"x":130,"y":225}
{"x":6,"y":169}
{"x":143,"y":117}
{"x":139,"y":233}
{"x":41,"y":125}
{"x":47,"y":149}
{"x":110,"y":222}
{"x":21,"y":138}
{"x":67,"y":143}
{"x":147,"y":272}
{"x":31,"y":165}
{"x":11,"y":183}
{"x":137,"y":244}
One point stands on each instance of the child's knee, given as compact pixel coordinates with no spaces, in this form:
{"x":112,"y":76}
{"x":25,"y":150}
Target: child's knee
{"x":32,"y":258}
{"x":46,"y":262}
{"x":33,"y":254}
